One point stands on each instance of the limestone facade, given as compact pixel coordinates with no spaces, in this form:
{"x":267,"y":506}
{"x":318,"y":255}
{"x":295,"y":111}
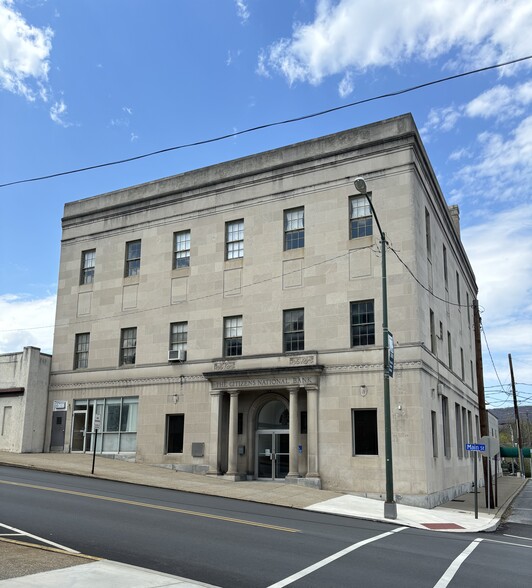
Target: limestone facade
{"x":263,"y":393}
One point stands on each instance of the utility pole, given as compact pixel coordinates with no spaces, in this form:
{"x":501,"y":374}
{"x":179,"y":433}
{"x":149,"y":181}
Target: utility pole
{"x":483,"y":415}
{"x":517,"y":423}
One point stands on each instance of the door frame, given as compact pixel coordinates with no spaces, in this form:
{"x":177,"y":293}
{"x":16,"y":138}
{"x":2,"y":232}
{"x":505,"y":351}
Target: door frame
{"x":74,"y":414}
{"x":273,"y":433}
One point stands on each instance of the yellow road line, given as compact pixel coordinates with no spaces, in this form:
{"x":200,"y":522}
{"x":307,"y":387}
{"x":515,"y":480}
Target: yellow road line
{"x":154,"y":506}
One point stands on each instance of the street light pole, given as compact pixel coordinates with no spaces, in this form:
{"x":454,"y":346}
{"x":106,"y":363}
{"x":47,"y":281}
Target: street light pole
{"x":390,"y":506}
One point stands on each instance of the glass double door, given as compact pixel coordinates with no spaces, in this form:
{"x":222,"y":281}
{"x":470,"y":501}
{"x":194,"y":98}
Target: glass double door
{"x":272,"y":455}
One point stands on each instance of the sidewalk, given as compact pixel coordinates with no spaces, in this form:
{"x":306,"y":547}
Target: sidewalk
{"x":455,"y":516}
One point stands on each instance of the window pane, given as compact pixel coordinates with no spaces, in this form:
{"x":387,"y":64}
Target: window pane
{"x":294,"y":228}
{"x":88,"y":259}
{"x":178,"y":336}
{"x":128,"y":346}
{"x":365,"y":440}
{"x":133,"y":250}
{"x":293,"y":330}
{"x":175,"y":426}
{"x":112,"y":414}
{"x":362,"y":323}
{"x":182,"y":249}
{"x":235,"y":239}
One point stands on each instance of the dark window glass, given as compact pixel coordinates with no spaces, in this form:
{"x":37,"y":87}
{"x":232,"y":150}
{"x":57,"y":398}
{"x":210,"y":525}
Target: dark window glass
{"x":362,"y":323}
{"x":240,"y":423}
{"x":365,"y":431}
{"x":360,"y":217}
{"x":294,"y":329}
{"x":133,"y":249}
{"x":233,"y":336}
{"x":88,"y":260}
{"x":175,"y":427}
{"x":303,"y":422}
{"x":234,"y":235}
{"x":181,"y":249}
{"x":128,"y":346}
{"x":294,"y":228}
{"x":81,"y":352}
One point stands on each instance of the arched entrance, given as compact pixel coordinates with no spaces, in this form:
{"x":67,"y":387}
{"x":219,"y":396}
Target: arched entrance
{"x":273,"y":442}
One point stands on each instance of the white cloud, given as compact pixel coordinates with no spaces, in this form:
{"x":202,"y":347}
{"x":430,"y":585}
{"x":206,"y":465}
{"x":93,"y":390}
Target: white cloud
{"x":503,"y":170}
{"x":352,"y":34}
{"x":127,"y":110}
{"x":24,"y":54}
{"x":500,"y":250}
{"x":242,"y":11}
{"x":501,"y":102}
{"x":346,"y":85}
{"x":25,"y":321}
{"x":57,"y":113}
{"x":459,"y":154}
{"x":133,"y":137}
{"x":440,"y":119}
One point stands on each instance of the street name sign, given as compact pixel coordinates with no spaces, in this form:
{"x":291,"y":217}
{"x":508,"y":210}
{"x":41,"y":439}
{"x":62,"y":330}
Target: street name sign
{"x":475,"y":447}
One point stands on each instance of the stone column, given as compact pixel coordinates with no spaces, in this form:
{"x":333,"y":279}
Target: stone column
{"x":312,"y":433}
{"x":232,"y":451}
{"x":293,"y":470}
{"x":214,"y":439}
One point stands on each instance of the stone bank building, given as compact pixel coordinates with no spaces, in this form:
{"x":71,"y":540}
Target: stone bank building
{"x":228,"y":321}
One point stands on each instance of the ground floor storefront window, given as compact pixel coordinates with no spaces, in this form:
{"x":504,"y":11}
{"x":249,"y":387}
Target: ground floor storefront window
{"x":118,"y":429}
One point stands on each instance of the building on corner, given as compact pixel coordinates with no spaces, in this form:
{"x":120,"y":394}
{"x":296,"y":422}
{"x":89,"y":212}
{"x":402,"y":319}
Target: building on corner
{"x":227,"y":320}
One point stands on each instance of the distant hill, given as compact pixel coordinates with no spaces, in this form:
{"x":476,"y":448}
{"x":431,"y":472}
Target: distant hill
{"x":507,"y":414}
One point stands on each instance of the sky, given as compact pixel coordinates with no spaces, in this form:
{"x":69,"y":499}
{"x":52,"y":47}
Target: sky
{"x":87,"y":82}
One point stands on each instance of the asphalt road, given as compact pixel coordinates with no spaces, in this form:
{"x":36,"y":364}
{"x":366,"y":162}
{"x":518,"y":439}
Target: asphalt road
{"x":233,"y":543}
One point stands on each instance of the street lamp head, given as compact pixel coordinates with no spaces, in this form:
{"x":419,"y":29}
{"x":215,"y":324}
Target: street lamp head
{"x":360,"y":185}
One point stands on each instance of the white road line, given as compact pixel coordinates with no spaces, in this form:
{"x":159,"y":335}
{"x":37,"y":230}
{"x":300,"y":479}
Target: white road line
{"x":455,"y":566}
{"x":518,"y":537}
{"x":509,"y":543}
{"x":330,"y":559}
{"x":47,"y":541}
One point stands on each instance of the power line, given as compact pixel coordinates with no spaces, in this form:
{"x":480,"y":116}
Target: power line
{"x":268,"y":125}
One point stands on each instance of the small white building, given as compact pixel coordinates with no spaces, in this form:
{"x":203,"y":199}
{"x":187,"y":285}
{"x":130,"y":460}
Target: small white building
{"x":228,"y":320}
{"x":24,"y":379}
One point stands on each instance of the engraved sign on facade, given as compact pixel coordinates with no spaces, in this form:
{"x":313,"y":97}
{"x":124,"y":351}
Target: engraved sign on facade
{"x":266,"y":382}
{"x":303,"y":360}
{"x":220,"y":366}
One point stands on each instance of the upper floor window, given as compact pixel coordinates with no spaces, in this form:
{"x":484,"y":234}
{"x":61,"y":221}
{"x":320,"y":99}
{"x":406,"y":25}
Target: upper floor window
{"x":458,"y":297}
{"x":234,"y":239}
{"x":445,"y":269}
{"x":294,"y":228}
{"x":294,"y":330}
{"x":128,"y":346}
{"x":232,"y":335}
{"x":132,"y":258}
{"x":88,"y":259}
{"x":449,"y":351}
{"x":178,"y":336}
{"x":81,"y":351}
{"x":427,"y":234}
{"x":362,"y":323}
{"x":432,"y":333}
{"x":181,"y":249}
{"x":361,"y":223}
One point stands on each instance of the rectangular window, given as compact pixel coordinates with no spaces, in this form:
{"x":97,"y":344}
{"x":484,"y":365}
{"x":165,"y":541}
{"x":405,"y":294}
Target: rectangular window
{"x":365,"y":431}
{"x":88,"y":260}
{"x":234,"y":239}
{"x":449,"y":351}
{"x":362,"y":323}
{"x":128,"y":346}
{"x":232,"y":336}
{"x":445,"y":270}
{"x":434,"y":425}
{"x":293,"y":330}
{"x":462,"y":367}
{"x":458,"y":289}
{"x":432,"y":333}
{"x":459,"y":439}
{"x":466,"y":438}
{"x":427,"y":234}
{"x":240,"y":424}
{"x":446,"y":427}
{"x":178,"y":336}
{"x":181,"y":249}
{"x":471,"y":432}
{"x":472,"y":375}
{"x":361,"y":224}
{"x":81,"y":353}
{"x":294,"y":228}
{"x":468,"y":313}
{"x":132,"y":258}
{"x":175,"y":429}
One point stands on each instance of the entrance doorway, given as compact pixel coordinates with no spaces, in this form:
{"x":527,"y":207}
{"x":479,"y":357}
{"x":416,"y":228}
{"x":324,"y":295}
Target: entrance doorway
{"x":272,"y":455}
{"x":78,"y":430}
{"x":58,"y":429}
{"x":272,"y":442}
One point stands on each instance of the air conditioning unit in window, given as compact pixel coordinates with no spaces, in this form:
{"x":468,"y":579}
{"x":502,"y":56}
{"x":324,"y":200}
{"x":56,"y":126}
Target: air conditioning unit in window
{"x":180,"y":355}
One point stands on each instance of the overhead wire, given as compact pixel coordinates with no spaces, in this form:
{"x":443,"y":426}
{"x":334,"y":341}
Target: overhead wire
{"x":267,"y":125}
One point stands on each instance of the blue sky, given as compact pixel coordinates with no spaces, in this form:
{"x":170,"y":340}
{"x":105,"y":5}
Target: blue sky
{"x":85,"y":82}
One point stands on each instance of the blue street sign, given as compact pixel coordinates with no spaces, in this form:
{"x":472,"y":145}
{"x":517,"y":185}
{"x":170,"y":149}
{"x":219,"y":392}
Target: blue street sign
{"x":475,"y":447}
